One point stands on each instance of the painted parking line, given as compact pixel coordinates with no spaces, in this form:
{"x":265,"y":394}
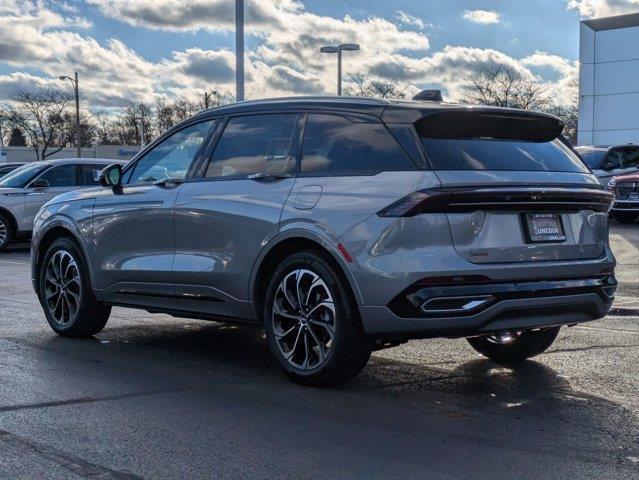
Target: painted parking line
{"x":602,"y":329}
{"x":10,"y":262}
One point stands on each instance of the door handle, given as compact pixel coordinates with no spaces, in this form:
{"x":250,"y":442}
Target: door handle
{"x":267,"y":177}
{"x":167,"y":183}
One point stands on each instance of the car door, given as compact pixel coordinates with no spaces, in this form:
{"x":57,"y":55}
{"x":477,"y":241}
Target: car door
{"x":224,"y":218}
{"x":133,"y":234}
{"x":59,"y":179}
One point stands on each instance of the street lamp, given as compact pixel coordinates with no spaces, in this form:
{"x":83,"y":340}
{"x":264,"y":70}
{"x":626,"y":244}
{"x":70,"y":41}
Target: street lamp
{"x":141,"y":119}
{"x":77,"y":109}
{"x":339,"y":49}
{"x":239,"y":50}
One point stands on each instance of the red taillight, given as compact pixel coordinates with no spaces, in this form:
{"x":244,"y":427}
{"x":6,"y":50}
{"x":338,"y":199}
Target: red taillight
{"x":424,"y":201}
{"x":512,"y":198}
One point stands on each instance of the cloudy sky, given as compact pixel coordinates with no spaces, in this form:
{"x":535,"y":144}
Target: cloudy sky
{"x":145,"y":49}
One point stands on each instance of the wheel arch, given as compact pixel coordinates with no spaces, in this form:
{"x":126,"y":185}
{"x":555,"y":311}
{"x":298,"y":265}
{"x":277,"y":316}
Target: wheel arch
{"x":48,"y":235}
{"x":279,"y":248}
{"x":12,"y":219}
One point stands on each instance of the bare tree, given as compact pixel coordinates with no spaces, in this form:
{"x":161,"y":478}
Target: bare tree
{"x":41,"y":117}
{"x":17,"y":138}
{"x":505,"y":87}
{"x":569,"y":114}
{"x":168,"y":114}
{"x":127,"y":124}
{"x":105,"y":127}
{"x":5,"y":128}
{"x":359,"y":87}
{"x":214,"y":98}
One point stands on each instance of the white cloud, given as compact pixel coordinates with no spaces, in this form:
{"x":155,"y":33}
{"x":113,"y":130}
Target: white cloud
{"x":285,"y":61}
{"x":483,"y":17}
{"x":192,"y":15}
{"x":603,"y":8}
{"x":407,"y":19}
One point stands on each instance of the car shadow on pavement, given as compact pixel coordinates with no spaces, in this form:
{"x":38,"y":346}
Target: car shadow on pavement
{"x":392,"y":412}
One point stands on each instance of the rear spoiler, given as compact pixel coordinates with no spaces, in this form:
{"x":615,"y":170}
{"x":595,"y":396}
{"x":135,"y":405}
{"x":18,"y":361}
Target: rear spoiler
{"x":509,"y":125}
{"x":452,"y":121}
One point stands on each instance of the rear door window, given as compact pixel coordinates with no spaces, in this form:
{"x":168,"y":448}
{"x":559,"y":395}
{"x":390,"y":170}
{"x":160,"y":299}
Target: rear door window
{"x":335,"y":145}
{"x":254,"y":144}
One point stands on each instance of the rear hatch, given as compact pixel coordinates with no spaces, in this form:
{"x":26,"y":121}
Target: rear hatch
{"x":512,"y":188}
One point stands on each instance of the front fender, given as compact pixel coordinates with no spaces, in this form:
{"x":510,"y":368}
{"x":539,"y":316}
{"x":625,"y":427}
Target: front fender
{"x":74,"y":218}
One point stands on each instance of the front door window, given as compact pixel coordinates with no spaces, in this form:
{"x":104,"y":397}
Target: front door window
{"x":171,"y":159}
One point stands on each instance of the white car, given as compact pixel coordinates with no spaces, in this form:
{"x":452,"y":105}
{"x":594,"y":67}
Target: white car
{"x":27,"y":188}
{"x":607,"y":162}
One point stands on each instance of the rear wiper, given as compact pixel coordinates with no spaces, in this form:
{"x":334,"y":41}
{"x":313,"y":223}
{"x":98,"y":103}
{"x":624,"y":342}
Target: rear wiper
{"x":268,"y":176}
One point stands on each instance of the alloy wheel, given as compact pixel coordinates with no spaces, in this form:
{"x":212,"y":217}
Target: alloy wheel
{"x":4,"y":233}
{"x":304,"y":319}
{"x":62,"y":287}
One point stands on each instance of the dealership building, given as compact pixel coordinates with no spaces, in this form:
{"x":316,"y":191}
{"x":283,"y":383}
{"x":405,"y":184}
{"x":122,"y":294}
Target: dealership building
{"x":609,"y":81}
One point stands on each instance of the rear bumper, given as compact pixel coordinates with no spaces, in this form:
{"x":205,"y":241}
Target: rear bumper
{"x":498,"y":306}
{"x":625,"y":206}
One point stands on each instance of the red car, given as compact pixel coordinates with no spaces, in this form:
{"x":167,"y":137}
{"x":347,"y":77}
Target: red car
{"x":626,"y":190}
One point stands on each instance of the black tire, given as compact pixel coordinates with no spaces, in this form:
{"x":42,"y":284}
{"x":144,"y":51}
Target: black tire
{"x":624,"y":217}
{"x":90,"y":316}
{"x":525,"y":345}
{"x":6,"y":231}
{"x":349,"y":350}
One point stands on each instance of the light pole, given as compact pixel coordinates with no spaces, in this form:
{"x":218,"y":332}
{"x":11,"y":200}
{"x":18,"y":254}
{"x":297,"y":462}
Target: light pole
{"x":239,"y":50}
{"x":77,"y":109}
{"x":141,"y":119}
{"x":339,"y":49}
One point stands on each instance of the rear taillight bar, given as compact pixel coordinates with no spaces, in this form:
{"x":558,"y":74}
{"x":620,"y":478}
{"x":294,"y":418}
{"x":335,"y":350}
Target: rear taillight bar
{"x":459,"y":200}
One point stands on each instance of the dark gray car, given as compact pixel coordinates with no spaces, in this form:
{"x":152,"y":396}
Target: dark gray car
{"x":343,"y":226}
{"x":26,"y":189}
{"x":607,"y":162}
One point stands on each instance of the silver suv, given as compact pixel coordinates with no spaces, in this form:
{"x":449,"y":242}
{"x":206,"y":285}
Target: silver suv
{"x":343,"y":226}
{"x":24,"y":190}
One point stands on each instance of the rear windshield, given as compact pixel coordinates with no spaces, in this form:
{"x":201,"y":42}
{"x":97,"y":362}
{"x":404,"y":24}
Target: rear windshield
{"x":494,"y":140}
{"x":492,"y":154}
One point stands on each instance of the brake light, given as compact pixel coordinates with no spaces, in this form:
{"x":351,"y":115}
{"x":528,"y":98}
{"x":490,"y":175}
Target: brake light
{"x":423,"y":201}
{"x":515,"y":198}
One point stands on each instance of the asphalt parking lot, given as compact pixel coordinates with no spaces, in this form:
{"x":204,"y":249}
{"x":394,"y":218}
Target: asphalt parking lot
{"x":157,"y":397}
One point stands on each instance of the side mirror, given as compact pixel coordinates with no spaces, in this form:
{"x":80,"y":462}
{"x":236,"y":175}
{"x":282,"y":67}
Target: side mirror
{"x":39,"y":183}
{"x":111,"y":176}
